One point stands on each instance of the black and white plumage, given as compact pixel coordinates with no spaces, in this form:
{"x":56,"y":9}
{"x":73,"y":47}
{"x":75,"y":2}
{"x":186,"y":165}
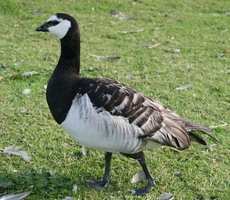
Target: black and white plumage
{"x":104,"y":114}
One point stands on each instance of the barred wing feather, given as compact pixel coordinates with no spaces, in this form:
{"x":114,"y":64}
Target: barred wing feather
{"x":158,"y":123}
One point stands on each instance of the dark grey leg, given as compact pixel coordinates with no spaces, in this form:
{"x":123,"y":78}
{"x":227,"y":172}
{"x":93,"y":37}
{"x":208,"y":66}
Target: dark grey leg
{"x":98,"y":184}
{"x":150,"y":181}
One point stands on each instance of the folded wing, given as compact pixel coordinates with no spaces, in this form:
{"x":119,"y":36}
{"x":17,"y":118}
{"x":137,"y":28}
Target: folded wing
{"x":158,"y":123}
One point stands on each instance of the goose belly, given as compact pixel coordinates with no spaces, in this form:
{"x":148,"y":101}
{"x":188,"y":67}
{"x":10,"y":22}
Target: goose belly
{"x":101,"y":130}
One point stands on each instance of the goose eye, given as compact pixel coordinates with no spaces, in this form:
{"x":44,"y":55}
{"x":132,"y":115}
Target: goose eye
{"x":53,"y":22}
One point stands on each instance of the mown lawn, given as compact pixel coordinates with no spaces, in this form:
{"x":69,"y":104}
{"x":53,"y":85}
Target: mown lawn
{"x":176,"y":51}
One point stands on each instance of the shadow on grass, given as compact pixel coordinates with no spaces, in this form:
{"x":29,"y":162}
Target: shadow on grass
{"x":44,"y":184}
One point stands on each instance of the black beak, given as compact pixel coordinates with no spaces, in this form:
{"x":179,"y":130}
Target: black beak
{"x":43,"y":28}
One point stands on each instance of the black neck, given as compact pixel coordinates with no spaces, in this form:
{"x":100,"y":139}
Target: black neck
{"x":61,"y":87}
{"x":70,"y":53}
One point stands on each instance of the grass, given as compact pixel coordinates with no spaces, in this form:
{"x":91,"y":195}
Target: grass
{"x":193,"y":40}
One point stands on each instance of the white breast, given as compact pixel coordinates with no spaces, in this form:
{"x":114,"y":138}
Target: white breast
{"x":101,"y":130}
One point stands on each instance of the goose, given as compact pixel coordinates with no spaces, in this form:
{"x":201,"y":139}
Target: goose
{"x":104,"y":114}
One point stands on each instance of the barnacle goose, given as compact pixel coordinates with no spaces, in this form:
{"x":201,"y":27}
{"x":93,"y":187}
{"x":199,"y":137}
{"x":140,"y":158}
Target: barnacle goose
{"x":104,"y":114}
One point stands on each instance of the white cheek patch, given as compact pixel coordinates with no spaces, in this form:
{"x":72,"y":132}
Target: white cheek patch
{"x":60,"y":29}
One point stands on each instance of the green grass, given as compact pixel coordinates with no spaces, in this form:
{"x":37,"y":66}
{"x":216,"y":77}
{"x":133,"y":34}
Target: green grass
{"x":199,"y":28}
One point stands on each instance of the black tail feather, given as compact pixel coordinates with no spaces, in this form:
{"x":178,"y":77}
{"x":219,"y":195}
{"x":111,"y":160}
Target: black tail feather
{"x":191,"y":128}
{"x":197,"y":138}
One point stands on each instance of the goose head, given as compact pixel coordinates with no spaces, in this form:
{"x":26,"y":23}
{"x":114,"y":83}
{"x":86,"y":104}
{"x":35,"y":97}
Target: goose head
{"x":60,"y":25}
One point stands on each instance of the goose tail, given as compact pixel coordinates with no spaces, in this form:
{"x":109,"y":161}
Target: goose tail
{"x":194,"y":129}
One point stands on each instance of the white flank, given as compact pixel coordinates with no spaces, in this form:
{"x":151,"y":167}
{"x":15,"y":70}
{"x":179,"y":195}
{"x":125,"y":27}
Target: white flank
{"x":101,"y":130}
{"x":60,"y":29}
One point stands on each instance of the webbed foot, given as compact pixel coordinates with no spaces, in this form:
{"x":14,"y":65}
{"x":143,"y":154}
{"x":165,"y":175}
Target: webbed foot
{"x":97,"y":184}
{"x":144,"y":190}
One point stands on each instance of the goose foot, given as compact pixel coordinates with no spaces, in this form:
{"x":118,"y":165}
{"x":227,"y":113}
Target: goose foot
{"x":151,"y":183}
{"x":144,"y":190}
{"x":97,"y":184}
